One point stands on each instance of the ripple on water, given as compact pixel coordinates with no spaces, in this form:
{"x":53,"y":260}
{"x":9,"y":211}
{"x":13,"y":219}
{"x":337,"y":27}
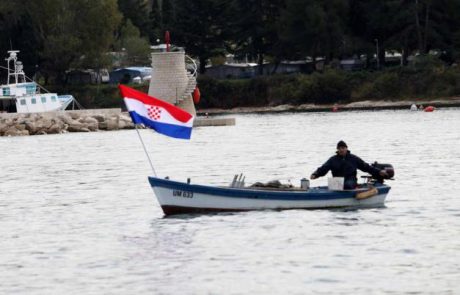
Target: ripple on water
{"x":78,"y":215}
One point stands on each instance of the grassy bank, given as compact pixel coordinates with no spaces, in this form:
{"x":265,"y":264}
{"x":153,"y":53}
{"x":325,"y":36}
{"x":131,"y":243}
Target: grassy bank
{"x":423,"y":81}
{"x":330,"y":87}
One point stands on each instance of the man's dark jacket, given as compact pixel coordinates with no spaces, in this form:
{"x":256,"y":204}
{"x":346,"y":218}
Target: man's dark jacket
{"x":345,"y":167}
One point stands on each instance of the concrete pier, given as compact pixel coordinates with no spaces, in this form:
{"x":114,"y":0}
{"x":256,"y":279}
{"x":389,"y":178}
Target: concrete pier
{"x":203,"y":122}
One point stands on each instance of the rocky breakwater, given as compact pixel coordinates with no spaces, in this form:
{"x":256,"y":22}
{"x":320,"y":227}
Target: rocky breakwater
{"x":63,"y":122}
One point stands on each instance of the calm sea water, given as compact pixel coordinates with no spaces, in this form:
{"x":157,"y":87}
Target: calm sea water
{"x":77,"y":214}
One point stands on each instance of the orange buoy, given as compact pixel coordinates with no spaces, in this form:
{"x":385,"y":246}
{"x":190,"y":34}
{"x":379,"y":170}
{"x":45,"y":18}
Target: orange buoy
{"x":429,"y":109}
{"x":196,"y":95}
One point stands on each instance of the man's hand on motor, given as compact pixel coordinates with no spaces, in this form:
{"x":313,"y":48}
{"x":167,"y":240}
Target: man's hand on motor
{"x":313,"y":176}
{"x":383,"y":173}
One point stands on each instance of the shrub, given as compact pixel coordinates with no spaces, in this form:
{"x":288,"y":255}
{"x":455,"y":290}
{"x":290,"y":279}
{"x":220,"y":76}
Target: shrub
{"x":363,"y":91}
{"x":426,"y":78}
{"x":285,"y":89}
{"x":287,"y":93}
{"x":387,"y":85}
{"x":330,"y":87}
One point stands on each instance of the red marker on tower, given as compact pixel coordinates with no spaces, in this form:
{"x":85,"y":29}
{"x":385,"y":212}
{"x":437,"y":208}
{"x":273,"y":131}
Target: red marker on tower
{"x":167,"y":41}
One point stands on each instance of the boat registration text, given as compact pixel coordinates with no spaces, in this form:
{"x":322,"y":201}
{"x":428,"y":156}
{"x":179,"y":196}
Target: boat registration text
{"x":183,"y":194}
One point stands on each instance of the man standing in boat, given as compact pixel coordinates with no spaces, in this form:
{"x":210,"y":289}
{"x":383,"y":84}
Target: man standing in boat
{"x":344,"y":164}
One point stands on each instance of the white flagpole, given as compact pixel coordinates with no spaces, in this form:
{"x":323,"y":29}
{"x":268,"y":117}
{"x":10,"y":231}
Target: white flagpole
{"x":145,"y":150}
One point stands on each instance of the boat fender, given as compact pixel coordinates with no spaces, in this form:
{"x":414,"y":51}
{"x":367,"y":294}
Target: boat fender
{"x":429,"y":109}
{"x":196,"y":95}
{"x":367,"y":194}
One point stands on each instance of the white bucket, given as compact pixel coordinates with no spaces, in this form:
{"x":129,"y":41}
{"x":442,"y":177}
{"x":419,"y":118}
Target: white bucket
{"x":304,"y":184}
{"x":335,"y":183}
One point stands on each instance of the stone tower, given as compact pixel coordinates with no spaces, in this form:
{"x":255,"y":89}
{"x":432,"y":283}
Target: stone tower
{"x":171,"y":81}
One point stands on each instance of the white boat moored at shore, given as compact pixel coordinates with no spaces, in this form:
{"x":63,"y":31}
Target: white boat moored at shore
{"x":21,"y":96}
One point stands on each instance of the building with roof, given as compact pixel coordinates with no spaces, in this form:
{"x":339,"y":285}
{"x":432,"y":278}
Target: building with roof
{"x":130,"y":75}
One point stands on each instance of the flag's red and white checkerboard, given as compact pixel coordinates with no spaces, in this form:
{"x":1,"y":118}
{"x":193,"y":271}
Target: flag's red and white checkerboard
{"x":154,"y":112}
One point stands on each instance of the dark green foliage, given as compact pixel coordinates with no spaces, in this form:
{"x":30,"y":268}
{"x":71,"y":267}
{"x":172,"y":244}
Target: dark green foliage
{"x":138,"y":12}
{"x":233,"y":93}
{"x":275,"y":90}
{"x":200,"y":27}
{"x":329,"y":87}
{"x":55,"y":36}
{"x":255,"y":28}
{"x":58,"y":35}
{"x":386,"y":85}
{"x":286,"y":89}
{"x":136,"y":48}
{"x":316,"y":26}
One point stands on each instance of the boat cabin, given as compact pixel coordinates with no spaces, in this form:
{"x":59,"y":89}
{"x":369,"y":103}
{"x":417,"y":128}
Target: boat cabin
{"x":26,"y":98}
{"x":20,"y":96}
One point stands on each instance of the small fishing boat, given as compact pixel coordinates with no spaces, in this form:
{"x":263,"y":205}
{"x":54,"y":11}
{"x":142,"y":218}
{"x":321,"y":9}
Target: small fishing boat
{"x":179,"y":197}
{"x":22,"y":95}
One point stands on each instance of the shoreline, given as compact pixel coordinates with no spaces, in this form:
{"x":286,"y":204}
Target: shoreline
{"x":353,"y":106}
{"x":23,"y":124}
{"x":90,"y":120}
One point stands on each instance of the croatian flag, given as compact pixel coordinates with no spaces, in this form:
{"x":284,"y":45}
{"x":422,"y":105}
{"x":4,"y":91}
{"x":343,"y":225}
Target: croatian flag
{"x":159,"y":115}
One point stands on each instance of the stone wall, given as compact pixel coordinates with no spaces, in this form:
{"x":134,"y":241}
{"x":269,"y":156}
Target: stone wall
{"x":63,"y":122}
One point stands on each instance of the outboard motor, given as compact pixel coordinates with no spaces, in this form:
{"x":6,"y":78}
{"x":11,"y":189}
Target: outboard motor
{"x":388,"y":169}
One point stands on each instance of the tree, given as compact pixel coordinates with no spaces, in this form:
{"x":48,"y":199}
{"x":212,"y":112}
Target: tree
{"x":17,"y":32}
{"x":255,"y":28}
{"x":61,"y":34}
{"x":375,"y":22}
{"x":130,"y":42}
{"x":138,"y":12}
{"x":437,"y":23}
{"x":453,"y":48}
{"x":316,"y":28}
{"x":407,"y":25}
{"x":162,"y":18}
{"x":68,"y":30}
{"x":199,"y":26}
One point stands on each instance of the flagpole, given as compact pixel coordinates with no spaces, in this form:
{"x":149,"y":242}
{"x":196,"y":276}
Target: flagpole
{"x":145,"y":150}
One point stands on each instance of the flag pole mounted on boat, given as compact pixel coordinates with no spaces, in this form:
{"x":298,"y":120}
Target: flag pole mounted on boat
{"x":159,"y":115}
{"x":145,"y":150}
